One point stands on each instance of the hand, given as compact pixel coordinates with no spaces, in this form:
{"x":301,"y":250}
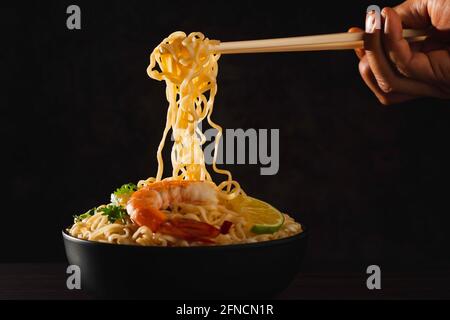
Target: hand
{"x":396,"y":70}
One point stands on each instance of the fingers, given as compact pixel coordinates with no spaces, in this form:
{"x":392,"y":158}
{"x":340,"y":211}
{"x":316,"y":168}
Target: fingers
{"x":408,"y":63}
{"x":414,"y":14}
{"x":371,"y":82}
{"x":421,"y":14}
{"x":369,"y":79}
{"x":375,"y":54}
{"x":396,"y":46}
{"x":359,"y":52}
{"x":387,"y":77}
{"x":395,"y":70}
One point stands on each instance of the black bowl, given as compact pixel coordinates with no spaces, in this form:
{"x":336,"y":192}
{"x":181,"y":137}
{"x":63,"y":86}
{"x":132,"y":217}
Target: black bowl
{"x":255,"y":270}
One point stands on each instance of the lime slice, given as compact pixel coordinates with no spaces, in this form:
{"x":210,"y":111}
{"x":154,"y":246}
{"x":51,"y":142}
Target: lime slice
{"x":262,"y":216}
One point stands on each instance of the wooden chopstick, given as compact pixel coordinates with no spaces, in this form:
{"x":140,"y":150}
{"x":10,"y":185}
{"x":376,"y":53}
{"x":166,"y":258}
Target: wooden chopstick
{"x":336,"y":41}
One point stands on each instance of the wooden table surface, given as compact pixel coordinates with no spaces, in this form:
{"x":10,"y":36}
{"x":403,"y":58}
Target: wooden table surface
{"x":47,"y":281}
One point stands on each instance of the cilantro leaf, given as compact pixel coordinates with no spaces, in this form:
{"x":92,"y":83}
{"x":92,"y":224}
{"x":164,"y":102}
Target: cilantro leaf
{"x":114,"y":213}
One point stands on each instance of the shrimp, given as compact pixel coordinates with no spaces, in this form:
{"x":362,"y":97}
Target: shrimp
{"x":145,"y":208}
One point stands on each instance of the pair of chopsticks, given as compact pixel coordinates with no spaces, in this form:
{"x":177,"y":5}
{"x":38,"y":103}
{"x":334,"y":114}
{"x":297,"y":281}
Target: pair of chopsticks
{"x":335,"y":41}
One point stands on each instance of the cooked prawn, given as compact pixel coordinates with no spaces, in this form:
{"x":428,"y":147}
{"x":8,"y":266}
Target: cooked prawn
{"x":145,"y":208}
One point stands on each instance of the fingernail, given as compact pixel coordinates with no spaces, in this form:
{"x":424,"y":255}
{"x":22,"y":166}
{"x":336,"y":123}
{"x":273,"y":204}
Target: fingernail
{"x":372,"y":21}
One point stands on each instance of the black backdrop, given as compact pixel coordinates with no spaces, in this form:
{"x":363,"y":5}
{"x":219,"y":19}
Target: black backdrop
{"x":79,"y":117}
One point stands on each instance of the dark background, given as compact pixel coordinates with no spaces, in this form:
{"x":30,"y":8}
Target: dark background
{"x":79,"y":117}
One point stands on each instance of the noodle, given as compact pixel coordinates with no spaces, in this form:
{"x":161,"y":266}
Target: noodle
{"x":189,"y":69}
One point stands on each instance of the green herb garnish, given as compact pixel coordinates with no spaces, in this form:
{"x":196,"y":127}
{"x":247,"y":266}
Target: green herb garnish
{"x":121,"y":195}
{"x":114,"y":213}
{"x":126,"y":189}
{"x":85,"y":215}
